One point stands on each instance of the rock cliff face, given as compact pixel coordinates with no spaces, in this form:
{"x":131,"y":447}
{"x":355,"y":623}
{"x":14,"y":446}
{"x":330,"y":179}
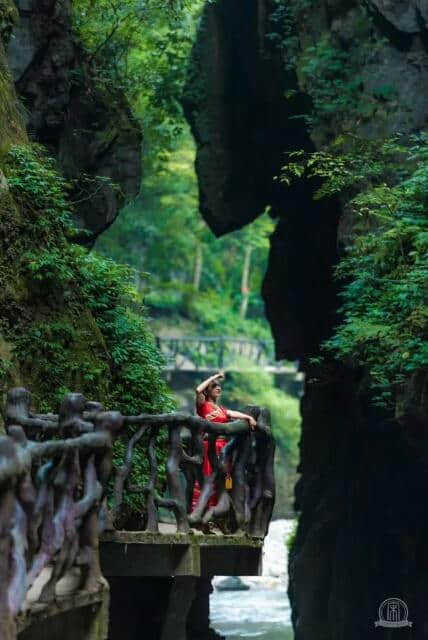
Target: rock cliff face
{"x":10,"y":118}
{"x":22,"y":303}
{"x":361,"y":497}
{"x":88,"y":131}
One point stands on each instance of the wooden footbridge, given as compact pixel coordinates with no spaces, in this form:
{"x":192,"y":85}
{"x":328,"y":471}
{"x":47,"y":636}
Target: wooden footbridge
{"x":65,"y":540}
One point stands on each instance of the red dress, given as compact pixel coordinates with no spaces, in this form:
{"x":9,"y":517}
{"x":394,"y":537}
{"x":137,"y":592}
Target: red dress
{"x":213,"y":413}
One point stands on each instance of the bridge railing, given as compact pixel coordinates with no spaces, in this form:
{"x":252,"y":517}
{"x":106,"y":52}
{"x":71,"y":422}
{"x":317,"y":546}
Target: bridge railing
{"x":216,"y":352}
{"x":55,"y":470}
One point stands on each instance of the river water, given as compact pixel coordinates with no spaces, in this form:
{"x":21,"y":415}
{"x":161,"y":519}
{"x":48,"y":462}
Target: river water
{"x":262,"y":612}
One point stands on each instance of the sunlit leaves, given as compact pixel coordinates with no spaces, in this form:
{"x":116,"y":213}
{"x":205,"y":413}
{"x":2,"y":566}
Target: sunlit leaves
{"x":161,"y":233}
{"x":385,"y":268}
{"x":140,"y":47}
{"x":385,"y":298}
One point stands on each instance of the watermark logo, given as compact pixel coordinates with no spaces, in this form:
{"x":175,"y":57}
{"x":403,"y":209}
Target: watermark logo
{"x":393,"y":613}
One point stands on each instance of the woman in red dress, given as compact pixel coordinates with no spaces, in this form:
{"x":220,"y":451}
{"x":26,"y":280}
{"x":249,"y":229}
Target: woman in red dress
{"x":207,"y":396}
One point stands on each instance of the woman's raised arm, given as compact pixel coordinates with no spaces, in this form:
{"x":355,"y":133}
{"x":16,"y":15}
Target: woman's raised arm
{"x":200,"y":398}
{"x":201,"y":387}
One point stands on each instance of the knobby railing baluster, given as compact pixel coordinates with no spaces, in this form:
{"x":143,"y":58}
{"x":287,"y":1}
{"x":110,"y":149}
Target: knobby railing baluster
{"x":263,"y":503}
{"x":151,"y":490}
{"x":124,"y":472}
{"x":52,"y":495}
{"x":175,"y":489}
{"x":55,"y":470}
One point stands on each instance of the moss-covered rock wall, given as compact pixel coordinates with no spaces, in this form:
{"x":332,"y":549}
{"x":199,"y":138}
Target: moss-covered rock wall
{"x":68,"y":320}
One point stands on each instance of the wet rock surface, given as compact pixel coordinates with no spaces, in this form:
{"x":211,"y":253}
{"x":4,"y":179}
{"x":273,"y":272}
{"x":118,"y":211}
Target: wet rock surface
{"x":232,"y":583}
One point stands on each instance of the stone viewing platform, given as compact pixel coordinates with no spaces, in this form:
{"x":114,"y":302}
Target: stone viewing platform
{"x":136,"y":553}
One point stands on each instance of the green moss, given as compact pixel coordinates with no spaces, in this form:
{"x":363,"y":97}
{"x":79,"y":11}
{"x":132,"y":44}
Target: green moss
{"x":71,"y":320}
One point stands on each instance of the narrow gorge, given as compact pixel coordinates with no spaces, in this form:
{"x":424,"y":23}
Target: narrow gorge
{"x":314,"y":111}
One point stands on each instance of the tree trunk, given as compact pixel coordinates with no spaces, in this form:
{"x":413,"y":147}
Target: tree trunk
{"x":245,"y":281}
{"x":197,"y":272}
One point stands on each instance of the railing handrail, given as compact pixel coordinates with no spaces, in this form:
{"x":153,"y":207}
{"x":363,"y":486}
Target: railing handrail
{"x":215,"y":339}
{"x":216,"y":351}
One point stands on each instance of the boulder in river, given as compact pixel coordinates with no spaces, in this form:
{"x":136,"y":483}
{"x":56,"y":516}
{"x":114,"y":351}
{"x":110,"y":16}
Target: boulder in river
{"x":231,"y":583}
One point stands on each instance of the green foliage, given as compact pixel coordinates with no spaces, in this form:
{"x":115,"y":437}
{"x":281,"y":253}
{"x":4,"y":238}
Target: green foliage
{"x":162,"y":233}
{"x":328,"y":70}
{"x":52,"y":356}
{"x":141,"y":48}
{"x":11,"y":122}
{"x":71,"y":320}
{"x":38,"y":187}
{"x":135,"y":364}
{"x":291,"y":539}
{"x":216,"y":313}
{"x":350,"y":163}
{"x":258,"y":387}
{"x":284,"y":18}
{"x":329,"y":75}
{"x":385,"y":269}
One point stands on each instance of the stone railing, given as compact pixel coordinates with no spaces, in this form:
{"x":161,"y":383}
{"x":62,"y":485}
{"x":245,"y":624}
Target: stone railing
{"x":54,"y":474}
{"x":246,"y":461}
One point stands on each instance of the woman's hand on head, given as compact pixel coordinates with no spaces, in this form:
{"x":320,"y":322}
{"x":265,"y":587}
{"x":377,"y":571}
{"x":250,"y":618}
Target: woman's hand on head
{"x":219,"y":375}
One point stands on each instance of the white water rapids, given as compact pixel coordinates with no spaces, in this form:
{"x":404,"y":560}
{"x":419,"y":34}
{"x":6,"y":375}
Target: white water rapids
{"x":262,"y":612}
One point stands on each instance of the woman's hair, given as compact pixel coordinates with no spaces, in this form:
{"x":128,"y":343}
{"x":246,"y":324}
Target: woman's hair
{"x":211,"y":386}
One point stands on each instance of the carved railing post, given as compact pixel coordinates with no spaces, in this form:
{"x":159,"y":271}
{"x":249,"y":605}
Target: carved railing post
{"x":151,"y":492}
{"x":9,"y":470}
{"x":175,"y":488}
{"x":124,"y":472}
